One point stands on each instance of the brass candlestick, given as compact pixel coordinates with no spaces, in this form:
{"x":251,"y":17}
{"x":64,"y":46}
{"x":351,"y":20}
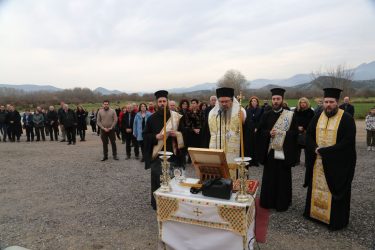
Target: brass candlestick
{"x":165,"y":178}
{"x":242,"y":195}
{"x":242,"y":161}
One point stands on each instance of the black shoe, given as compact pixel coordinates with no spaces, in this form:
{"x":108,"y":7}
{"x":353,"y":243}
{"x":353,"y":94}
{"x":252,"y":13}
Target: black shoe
{"x":127,"y":157}
{"x":74,"y":143}
{"x":115,"y":158}
{"x":104,"y":158}
{"x":143,"y":159}
{"x":137,"y":157}
{"x":63,"y":140}
{"x":69,"y":143}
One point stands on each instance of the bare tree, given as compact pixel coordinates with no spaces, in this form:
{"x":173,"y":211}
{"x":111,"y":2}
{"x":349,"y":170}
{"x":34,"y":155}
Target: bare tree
{"x":234,"y":79}
{"x":335,"y":77}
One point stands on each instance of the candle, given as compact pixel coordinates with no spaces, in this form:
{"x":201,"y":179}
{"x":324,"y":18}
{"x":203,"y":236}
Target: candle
{"x":165,"y":130}
{"x":241,"y":133}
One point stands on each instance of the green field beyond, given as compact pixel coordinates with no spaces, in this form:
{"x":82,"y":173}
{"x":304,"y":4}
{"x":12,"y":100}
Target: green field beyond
{"x":361,"y":105}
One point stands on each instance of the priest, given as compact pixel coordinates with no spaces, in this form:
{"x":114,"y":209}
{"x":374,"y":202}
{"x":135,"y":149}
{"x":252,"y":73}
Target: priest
{"x":276,"y":148}
{"x":330,"y":163}
{"x":153,"y":135}
{"x":224,"y":122}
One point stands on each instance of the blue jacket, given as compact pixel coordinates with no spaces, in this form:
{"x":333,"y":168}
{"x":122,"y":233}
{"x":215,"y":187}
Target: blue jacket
{"x":137,"y":125}
{"x":29,"y":122}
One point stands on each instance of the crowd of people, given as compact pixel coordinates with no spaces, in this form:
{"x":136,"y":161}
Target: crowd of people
{"x":41,"y":123}
{"x":131,"y":119}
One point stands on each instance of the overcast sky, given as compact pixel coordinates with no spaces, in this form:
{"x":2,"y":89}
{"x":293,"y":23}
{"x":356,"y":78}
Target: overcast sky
{"x":148,"y":44}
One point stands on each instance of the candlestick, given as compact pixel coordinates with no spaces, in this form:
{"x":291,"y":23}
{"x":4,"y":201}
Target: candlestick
{"x":165,"y":130}
{"x":240,"y":97}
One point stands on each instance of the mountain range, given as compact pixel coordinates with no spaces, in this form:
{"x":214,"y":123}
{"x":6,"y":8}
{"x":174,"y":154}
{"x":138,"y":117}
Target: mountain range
{"x":365,"y":71}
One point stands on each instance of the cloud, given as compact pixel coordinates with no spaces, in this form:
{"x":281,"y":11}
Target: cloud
{"x":130,"y":45}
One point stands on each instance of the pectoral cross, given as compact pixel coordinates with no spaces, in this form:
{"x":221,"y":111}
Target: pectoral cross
{"x":197,"y":212}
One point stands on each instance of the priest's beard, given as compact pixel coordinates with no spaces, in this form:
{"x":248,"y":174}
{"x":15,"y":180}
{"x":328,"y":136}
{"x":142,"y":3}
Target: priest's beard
{"x":331,"y":112}
{"x":276,"y":107}
{"x":227,"y":114}
{"x":161,"y":109}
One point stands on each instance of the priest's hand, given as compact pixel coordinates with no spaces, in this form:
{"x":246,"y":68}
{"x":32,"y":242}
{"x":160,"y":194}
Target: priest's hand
{"x":172,"y":133}
{"x":317,"y":152}
{"x":159,"y":136}
{"x":273,"y":133}
{"x":196,"y":130}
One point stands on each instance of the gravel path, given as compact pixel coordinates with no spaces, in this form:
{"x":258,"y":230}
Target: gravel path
{"x":55,"y":196}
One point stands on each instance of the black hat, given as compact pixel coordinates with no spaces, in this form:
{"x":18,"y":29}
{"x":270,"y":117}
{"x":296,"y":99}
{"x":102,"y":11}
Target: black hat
{"x":224,"y":92}
{"x":278,"y":91}
{"x":161,"y":93}
{"x":332,"y":92}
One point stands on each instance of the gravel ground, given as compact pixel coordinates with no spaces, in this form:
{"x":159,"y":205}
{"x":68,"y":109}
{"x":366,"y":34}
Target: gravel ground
{"x":55,"y":196}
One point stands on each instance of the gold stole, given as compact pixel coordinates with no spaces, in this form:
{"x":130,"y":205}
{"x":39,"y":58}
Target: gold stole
{"x":230,"y":137}
{"x":172,"y":124}
{"x":282,"y":125}
{"x":321,"y":197}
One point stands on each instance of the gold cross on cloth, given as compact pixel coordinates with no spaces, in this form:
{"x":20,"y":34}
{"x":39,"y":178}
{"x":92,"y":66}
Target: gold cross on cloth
{"x":197,"y":212}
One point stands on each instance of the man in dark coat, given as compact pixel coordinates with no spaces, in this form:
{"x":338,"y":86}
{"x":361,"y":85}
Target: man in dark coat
{"x":14,"y":124}
{"x":52,"y":123}
{"x":60,"y":113}
{"x":276,"y":150}
{"x":331,"y":160}
{"x":3,"y":123}
{"x":205,"y":129}
{"x":127,"y":123}
{"x":347,"y":107}
{"x":153,"y":137}
{"x":69,"y":120}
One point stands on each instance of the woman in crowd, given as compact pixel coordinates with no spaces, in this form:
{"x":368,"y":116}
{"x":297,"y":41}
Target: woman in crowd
{"x":93,"y":120}
{"x":195,"y":118}
{"x":303,"y":115}
{"x":253,"y":114}
{"x":120,"y":117}
{"x":81,"y":122}
{"x":184,"y":109}
{"x":139,"y":124}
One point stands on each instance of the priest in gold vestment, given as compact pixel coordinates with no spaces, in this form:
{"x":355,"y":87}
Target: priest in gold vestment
{"x":223,"y":123}
{"x":330,"y":163}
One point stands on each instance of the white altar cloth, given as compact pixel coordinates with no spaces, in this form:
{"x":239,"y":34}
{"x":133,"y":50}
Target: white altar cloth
{"x":193,"y":221}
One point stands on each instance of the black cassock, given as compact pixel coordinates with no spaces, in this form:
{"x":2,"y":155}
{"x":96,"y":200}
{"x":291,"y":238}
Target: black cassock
{"x":339,"y":163}
{"x":276,"y":192}
{"x":153,"y":126}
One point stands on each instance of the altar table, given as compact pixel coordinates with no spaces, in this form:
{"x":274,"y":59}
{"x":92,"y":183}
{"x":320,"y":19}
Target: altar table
{"x":193,"y":221}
